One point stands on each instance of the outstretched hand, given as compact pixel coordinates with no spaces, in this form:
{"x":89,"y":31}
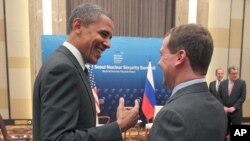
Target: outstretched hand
{"x":127,"y":117}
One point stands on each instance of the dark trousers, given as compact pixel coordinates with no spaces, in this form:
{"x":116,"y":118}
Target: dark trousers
{"x":234,"y":120}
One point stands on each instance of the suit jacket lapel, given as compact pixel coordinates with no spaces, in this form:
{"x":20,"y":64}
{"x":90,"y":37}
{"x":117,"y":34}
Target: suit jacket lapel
{"x":83,"y":74}
{"x":214,"y":86}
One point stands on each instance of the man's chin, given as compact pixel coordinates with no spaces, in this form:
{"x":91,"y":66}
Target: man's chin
{"x":93,"y":61}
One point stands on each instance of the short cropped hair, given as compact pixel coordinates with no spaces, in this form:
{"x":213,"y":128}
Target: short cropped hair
{"x":196,"y":41}
{"x":232,"y":68}
{"x":218,"y":70}
{"x":88,"y":13}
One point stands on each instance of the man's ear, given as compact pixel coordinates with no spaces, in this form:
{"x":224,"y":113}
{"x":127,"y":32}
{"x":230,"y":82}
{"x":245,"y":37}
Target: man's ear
{"x":77,"y":25}
{"x":180,"y":57}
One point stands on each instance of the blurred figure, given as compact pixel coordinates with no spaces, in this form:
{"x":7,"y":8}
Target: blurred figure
{"x":214,"y":85}
{"x":233,"y":94}
{"x":63,"y":103}
{"x":191,"y":113}
{"x":5,"y":134}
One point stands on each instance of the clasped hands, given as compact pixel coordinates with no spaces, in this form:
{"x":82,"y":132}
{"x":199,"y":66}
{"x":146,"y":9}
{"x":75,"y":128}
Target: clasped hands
{"x":229,"y":109}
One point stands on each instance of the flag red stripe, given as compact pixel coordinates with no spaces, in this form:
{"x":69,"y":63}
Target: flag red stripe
{"x":97,"y":104}
{"x":147,"y":108}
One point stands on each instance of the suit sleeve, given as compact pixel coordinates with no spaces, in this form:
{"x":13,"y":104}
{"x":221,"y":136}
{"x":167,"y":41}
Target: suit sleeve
{"x":60,"y":101}
{"x":242,"y":97}
{"x":210,"y":87}
{"x":168,"y":126}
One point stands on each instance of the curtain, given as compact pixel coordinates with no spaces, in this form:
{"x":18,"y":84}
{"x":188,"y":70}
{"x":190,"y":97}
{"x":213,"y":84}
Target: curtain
{"x":136,"y":18}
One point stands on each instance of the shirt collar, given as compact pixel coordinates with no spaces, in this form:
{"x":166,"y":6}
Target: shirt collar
{"x":76,"y":53}
{"x":185,"y":84}
{"x":217,"y":81}
{"x":230,"y":82}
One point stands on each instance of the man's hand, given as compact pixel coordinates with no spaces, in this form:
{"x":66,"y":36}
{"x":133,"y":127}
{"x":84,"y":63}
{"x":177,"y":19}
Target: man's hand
{"x":226,"y":109}
{"x":127,"y":117}
{"x":231,"y":109}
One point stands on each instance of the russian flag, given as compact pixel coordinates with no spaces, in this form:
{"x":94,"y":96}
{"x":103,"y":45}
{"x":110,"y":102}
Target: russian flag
{"x":149,"y":100}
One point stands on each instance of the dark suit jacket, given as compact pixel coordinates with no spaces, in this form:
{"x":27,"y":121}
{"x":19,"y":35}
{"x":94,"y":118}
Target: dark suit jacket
{"x":63,"y":106}
{"x":212,"y":89}
{"x":237,"y":97}
{"x":192,"y":114}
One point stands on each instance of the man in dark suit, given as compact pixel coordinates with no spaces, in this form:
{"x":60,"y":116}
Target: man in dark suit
{"x":63,"y":104}
{"x":233,"y":93}
{"x":214,"y":85}
{"x":191,"y":113}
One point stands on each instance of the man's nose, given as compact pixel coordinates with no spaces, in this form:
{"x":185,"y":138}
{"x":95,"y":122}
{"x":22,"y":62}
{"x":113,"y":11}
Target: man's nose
{"x":107,"y":43}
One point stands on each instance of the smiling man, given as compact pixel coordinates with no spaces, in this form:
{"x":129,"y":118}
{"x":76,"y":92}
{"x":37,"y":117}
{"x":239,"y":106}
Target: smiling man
{"x":63,"y":103}
{"x":191,"y":113}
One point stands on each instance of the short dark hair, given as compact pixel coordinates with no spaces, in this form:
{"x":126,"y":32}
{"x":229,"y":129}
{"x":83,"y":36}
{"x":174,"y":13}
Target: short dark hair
{"x":218,"y":70}
{"x":232,"y":68}
{"x":196,"y":41}
{"x":88,"y":13}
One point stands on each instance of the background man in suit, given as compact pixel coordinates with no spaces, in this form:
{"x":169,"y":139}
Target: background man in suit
{"x":63,"y":105}
{"x":214,"y":85}
{"x":233,"y":93}
{"x":191,"y":113}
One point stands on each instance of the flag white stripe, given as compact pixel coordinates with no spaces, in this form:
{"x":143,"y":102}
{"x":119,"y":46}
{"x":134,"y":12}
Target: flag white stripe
{"x":96,"y":99}
{"x":150,"y":75}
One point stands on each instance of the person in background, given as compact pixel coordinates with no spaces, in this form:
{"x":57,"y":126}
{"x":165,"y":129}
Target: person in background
{"x":192,"y":113}
{"x":63,"y":103}
{"x":5,"y":134}
{"x":214,"y":85}
{"x":233,"y":94}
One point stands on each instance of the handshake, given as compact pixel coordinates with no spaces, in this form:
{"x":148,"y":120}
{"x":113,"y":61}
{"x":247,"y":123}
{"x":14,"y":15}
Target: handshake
{"x":127,"y":117}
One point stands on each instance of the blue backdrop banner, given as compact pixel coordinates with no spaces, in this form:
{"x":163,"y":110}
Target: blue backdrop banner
{"x":122,"y":70}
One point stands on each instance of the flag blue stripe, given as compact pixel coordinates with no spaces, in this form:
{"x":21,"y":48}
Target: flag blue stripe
{"x":149,"y":91}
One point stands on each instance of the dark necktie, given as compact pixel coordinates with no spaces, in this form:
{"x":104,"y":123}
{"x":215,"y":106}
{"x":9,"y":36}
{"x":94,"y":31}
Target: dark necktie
{"x":86,"y":72}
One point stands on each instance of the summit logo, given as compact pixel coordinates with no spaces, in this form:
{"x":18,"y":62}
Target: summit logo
{"x":118,"y":57}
